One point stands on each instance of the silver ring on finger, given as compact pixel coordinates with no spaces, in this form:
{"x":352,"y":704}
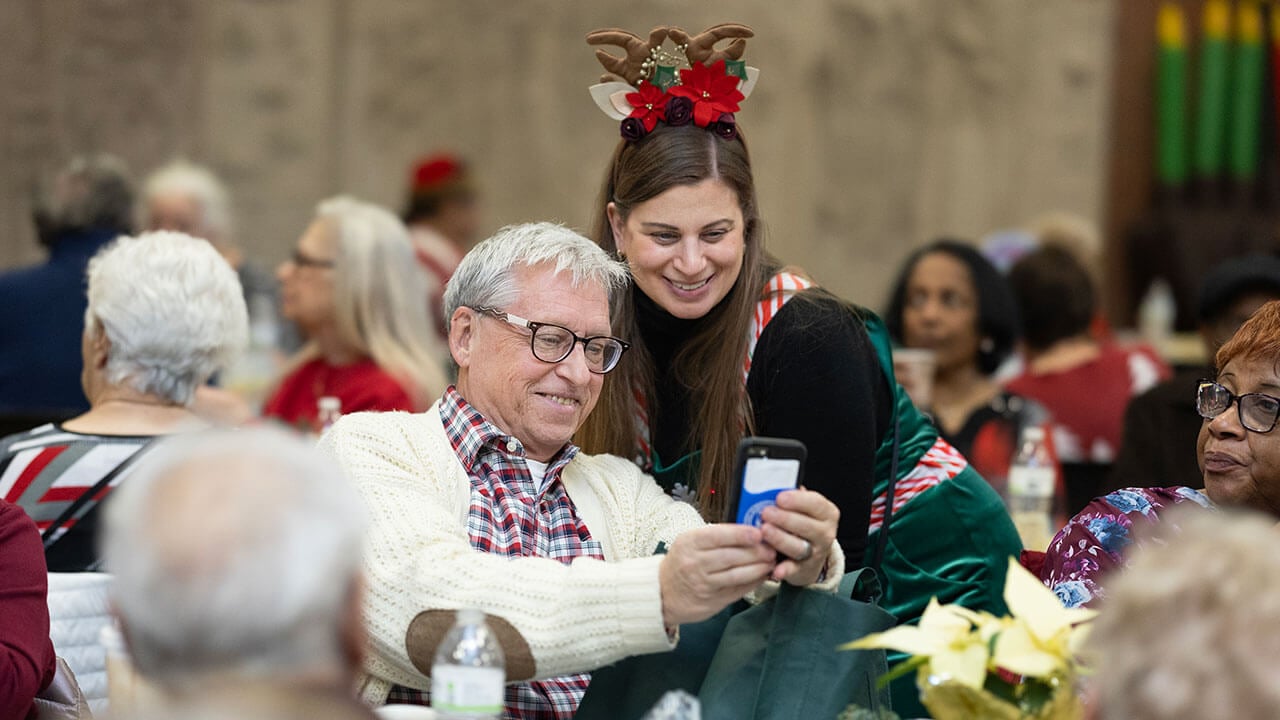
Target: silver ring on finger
{"x":808,"y":552}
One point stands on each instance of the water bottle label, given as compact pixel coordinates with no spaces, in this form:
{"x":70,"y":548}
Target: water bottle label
{"x":464,"y":691}
{"x":1031,"y":482}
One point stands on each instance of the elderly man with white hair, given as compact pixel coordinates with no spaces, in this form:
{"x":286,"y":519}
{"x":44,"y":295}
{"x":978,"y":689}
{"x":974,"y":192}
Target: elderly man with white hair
{"x":186,"y":197}
{"x":483,"y":501}
{"x":236,"y":558}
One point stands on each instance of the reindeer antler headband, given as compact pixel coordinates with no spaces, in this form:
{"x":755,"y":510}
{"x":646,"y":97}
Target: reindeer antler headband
{"x":651,"y":84}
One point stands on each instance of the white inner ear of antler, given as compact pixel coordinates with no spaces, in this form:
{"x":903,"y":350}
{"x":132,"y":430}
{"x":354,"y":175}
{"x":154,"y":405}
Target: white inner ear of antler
{"x":746,"y":86}
{"x":611,"y":97}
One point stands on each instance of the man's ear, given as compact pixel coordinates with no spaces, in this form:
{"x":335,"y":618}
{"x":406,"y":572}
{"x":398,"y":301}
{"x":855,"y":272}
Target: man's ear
{"x":616,"y":224}
{"x":461,"y":334}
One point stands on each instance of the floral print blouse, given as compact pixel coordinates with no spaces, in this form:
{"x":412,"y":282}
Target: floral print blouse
{"x":1097,"y":539}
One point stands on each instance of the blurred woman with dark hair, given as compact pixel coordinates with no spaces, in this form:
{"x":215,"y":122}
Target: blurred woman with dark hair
{"x":950,"y":299}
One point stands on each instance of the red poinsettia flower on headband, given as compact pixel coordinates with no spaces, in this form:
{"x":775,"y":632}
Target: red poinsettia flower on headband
{"x":713,"y":91}
{"x":649,"y":105}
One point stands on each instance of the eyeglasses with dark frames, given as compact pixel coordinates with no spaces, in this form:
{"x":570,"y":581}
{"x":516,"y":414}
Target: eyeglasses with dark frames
{"x":1257,"y":411}
{"x":301,"y":259}
{"x":553,"y":343}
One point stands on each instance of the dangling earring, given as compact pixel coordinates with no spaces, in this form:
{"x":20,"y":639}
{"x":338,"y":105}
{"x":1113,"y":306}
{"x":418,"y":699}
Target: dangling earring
{"x":987,"y":345}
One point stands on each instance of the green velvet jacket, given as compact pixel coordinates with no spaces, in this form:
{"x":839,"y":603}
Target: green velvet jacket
{"x":952,"y":541}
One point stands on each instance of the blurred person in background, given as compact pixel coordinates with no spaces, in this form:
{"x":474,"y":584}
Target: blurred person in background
{"x":443,"y":223}
{"x":951,"y":300}
{"x":1160,"y":425}
{"x":189,"y":198}
{"x":88,"y":204}
{"x":1085,"y":383}
{"x":353,"y":288}
{"x":236,"y":563}
{"x":26,"y":653}
{"x":1186,"y":630}
{"x":165,"y":312}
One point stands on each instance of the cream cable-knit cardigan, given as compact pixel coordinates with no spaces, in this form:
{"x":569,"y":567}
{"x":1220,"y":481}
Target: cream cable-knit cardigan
{"x":575,"y":617}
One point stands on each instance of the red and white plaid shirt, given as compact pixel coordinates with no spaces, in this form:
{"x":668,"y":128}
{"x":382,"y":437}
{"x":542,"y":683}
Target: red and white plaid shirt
{"x":512,"y":516}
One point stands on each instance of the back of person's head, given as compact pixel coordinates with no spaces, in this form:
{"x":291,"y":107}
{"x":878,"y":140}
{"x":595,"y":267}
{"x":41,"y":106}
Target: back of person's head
{"x":172,"y":310}
{"x":235,"y":554}
{"x":437,"y":180}
{"x":210,"y":207}
{"x":487,"y":275}
{"x":1055,"y":296}
{"x":1073,"y":233}
{"x":1231,"y":291}
{"x":998,"y":319}
{"x":92,"y":192}
{"x":379,"y":292}
{"x":1258,"y":337}
{"x":1185,"y":632}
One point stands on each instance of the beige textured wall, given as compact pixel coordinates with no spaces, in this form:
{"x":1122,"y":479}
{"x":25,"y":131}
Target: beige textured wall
{"x":876,"y":125}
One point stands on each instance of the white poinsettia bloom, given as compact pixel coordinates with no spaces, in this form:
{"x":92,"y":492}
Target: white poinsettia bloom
{"x":945,"y":636}
{"x":1040,"y":641}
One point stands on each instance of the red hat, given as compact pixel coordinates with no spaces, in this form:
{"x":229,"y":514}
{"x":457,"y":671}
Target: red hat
{"x":435,"y":172}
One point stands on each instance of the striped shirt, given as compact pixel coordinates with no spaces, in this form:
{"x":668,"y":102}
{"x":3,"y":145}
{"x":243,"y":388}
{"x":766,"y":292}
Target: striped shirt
{"x":46,"y":470}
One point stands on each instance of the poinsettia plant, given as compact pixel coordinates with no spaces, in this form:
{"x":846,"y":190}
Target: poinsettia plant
{"x":972,"y":664}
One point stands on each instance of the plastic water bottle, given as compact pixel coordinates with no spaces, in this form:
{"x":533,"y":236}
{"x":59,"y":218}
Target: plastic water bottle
{"x":1031,"y":480}
{"x":468,"y":674}
{"x":328,"y":410}
{"x":1157,"y":312}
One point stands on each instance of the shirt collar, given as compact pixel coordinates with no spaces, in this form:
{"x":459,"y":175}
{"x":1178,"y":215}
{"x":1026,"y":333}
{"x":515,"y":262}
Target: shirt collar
{"x":471,"y":434}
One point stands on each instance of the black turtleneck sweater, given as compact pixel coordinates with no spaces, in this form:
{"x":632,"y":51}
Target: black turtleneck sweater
{"x":814,"y":377}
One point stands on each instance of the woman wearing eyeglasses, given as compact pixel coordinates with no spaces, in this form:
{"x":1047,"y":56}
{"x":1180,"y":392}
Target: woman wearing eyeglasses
{"x":1239,"y":455}
{"x":354,"y":289}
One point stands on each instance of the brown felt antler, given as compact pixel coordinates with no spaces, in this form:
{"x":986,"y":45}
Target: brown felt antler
{"x":701,"y":47}
{"x":628,"y":69}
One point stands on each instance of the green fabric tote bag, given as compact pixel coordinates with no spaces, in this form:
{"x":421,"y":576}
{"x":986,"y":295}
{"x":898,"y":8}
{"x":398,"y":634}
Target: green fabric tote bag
{"x":778,"y":660}
{"x":773,"y":661}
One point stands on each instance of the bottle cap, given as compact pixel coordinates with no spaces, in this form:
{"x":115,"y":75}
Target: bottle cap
{"x":470,"y":616}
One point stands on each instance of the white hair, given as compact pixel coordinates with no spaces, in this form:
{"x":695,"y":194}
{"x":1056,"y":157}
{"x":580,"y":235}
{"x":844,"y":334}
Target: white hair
{"x":1187,"y":629}
{"x":380,"y":294}
{"x":172,"y":309}
{"x":201,"y":185}
{"x":234,"y":553}
{"x":90,"y":192}
{"x":486,"y":275}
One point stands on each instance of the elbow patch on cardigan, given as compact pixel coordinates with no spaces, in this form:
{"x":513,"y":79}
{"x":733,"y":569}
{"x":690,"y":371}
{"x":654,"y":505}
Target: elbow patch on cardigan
{"x":429,"y":627}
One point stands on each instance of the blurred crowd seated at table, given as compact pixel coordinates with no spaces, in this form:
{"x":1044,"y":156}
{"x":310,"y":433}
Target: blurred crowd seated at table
{"x":121,"y":338}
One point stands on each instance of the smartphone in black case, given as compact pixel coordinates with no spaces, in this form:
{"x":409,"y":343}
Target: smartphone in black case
{"x":765,"y":467}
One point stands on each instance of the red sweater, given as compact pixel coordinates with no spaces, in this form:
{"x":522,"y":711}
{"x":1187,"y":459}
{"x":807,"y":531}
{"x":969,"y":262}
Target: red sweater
{"x":26,"y":653}
{"x":1087,"y":402}
{"x":361,"y":385}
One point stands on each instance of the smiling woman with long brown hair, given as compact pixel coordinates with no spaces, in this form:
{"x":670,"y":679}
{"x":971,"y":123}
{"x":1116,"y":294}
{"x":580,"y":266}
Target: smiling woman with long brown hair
{"x":727,"y":343}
